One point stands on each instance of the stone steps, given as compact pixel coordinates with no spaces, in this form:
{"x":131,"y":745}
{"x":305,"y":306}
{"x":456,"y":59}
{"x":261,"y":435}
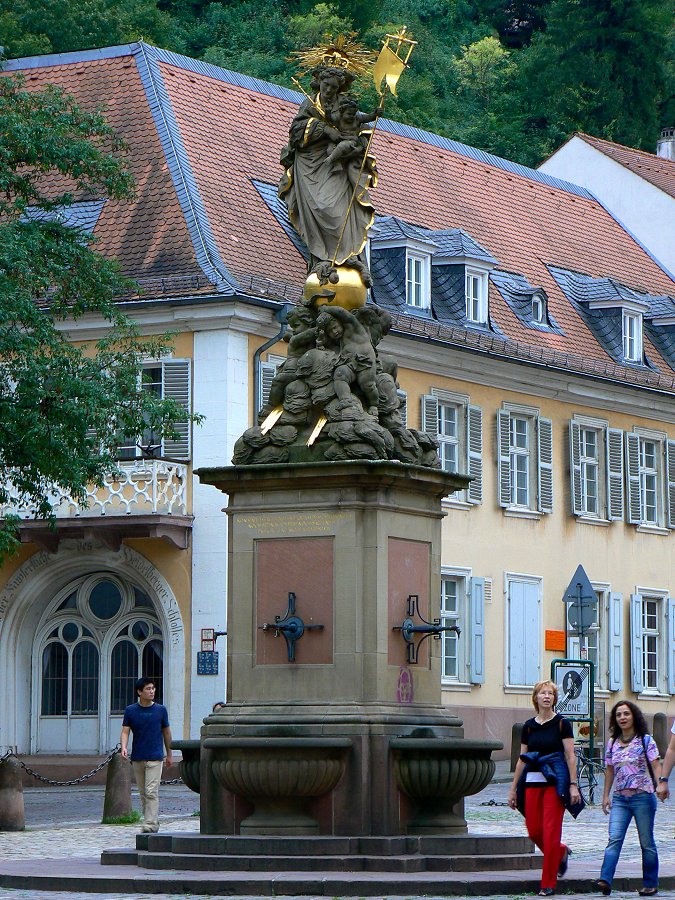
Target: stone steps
{"x":432,"y":845}
{"x":204,"y":863}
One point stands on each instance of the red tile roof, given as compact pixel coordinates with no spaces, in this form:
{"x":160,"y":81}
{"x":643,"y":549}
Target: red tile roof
{"x":214,"y":132}
{"x":658,"y":171}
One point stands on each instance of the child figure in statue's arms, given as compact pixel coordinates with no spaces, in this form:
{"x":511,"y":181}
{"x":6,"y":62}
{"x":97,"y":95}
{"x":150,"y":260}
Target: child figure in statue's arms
{"x":348,"y":140}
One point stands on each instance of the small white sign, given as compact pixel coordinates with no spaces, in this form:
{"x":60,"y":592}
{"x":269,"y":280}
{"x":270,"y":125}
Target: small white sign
{"x":574,"y":689}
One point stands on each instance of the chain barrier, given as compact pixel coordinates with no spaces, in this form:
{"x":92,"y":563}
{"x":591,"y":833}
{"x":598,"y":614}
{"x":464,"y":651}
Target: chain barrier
{"x":494,"y":802}
{"x":52,"y":781}
{"x":79,"y":780}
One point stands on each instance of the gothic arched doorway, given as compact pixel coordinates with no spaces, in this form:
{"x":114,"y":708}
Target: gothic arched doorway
{"x":96,"y":637}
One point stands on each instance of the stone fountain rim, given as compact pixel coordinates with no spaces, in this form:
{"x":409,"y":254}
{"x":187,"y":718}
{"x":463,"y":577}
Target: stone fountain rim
{"x":192,"y":744}
{"x":277,"y":743}
{"x":441,"y":745}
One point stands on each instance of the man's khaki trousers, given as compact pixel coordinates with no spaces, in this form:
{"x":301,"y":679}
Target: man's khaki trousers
{"x":148,"y":775}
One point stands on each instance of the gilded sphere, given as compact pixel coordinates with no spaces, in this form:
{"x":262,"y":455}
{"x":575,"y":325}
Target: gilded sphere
{"x":349,"y":291}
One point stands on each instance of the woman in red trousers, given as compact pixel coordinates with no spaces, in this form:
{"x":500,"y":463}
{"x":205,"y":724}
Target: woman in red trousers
{"x":545,"y":781}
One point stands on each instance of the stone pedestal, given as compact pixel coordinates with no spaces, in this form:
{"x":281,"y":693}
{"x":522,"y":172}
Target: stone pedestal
{"x":350,"y":541}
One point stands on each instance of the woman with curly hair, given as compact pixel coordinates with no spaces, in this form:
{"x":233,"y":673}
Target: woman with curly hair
{"x":632,"y":768}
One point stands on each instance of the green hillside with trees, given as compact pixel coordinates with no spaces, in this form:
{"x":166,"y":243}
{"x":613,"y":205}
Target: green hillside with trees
{"x":514,"y":77}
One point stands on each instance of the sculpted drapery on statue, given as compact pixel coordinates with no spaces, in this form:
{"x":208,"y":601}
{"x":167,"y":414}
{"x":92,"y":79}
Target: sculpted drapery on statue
{"x":335,"y":397}
{"x":328,"y":173}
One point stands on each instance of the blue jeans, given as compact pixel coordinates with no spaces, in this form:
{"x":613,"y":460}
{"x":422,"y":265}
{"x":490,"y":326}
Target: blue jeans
{"x":641,"y":807}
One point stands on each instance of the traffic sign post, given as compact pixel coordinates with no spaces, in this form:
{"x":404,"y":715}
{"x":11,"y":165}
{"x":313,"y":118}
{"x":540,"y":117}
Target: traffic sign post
{"x":575,"y":679}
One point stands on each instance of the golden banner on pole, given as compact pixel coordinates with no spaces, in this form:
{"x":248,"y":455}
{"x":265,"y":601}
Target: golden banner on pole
{"x":388,"y":66}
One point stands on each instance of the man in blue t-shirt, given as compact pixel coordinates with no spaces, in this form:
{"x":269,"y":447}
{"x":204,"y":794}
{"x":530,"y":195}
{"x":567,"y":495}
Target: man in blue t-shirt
{"x":149,"y":723}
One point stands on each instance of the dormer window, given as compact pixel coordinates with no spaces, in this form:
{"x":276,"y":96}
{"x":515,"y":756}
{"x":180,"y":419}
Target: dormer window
{"x":476,"y":296}
{"x":539,"y":309}
{"x":417,"y":284}
{"x":632,"y":336}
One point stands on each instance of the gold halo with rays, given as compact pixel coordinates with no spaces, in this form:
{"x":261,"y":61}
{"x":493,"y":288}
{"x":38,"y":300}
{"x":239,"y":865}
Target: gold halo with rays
{"x":343,"y":52}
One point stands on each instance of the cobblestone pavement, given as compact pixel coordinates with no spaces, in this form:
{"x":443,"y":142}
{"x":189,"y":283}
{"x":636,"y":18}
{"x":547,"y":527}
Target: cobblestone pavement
{"x":485,"y":815}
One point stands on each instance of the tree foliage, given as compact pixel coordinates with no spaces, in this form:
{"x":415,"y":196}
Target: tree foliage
{"x":63,"y":405}
{"x":515,"y":77}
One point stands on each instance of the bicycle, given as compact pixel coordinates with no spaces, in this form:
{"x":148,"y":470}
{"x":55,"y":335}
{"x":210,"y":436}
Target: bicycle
{"x":589,"y":774}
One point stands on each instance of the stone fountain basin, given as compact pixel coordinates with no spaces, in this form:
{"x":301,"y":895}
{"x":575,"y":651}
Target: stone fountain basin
{"x":278,"y":766}
{"x":280,"y":775}
{"x":189,"y":766}
{"x":451,"y":768}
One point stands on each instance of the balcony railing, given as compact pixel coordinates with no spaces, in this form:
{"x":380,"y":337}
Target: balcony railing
{"x":139,"y":487}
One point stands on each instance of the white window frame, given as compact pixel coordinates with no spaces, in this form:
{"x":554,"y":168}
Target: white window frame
{"x":631,"y":335}
{"x":167,"y":447}
{"x":539,"y":466}
{"x":592,"y":471}
{"x":469,"y":442}
{"x":451,"y":443}
{"x":642,"y":476}
{"x":650,"y":482}
{"x":539,"y":309}
{"x":461,"y":576}
{"x":417,"y":289}
{"x":476,"y":301}
{"x":538,"y":580}
{"x":655,"y":638}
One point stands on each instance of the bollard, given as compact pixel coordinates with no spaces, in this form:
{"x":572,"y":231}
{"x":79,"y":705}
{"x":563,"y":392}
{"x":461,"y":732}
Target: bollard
{"x":516,"y":735}
{"x":12,"y":817}
{"x":117,"y":800}
{"x":660,"y":732}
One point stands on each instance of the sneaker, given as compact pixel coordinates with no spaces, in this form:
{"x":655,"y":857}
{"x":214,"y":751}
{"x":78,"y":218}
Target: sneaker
{"x":603,"y":887}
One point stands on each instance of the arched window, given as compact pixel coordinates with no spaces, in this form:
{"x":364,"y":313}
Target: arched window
{"x":138,"y":651}
{"x":96,"y":638}
{"x":54,"y":680}
{"x":84,"y":679}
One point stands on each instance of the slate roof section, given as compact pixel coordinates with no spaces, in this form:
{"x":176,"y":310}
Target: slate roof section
{"x":455,"y":242}
{"x":83,"y":214}
{"x":660,"y":308}
{"x":605,"y":323}
{"x":655,"y":169}
{"x":518,"y":293}
{"x":389,"y":228}
{"x":231,"y":129}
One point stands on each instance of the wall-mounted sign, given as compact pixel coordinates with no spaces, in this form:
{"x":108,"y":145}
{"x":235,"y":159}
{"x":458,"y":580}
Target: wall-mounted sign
{"x":207,"y":662}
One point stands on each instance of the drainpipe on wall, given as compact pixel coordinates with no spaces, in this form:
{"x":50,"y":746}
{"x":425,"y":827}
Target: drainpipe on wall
{"x":281,"y":315}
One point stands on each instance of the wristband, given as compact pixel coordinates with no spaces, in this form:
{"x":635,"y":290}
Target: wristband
{"x":663,"y":778}
{"x":574,"y":784}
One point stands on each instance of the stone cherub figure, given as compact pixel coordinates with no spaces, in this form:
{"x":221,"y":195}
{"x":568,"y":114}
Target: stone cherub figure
{"x":351,"y":143}
{"x":301,"y":337}
{"x":357,"y":361}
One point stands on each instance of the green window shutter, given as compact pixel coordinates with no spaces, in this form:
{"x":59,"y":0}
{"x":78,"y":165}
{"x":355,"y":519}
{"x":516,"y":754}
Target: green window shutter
{"x":670,"y":475}
{"x":545,"y":466}
{"x":615,"y":501}
{"x":430,"y":415}
{"x":267,"y":372}
{"x":477,"y":631}
{"x":504,"y":457}
{"x":176,"y":385}
{"x":575,"y":467}
{"x":637,"y":684}
{"x":633,"y":480}
{"x":615,"y":627}
{"x":474,"y":453}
